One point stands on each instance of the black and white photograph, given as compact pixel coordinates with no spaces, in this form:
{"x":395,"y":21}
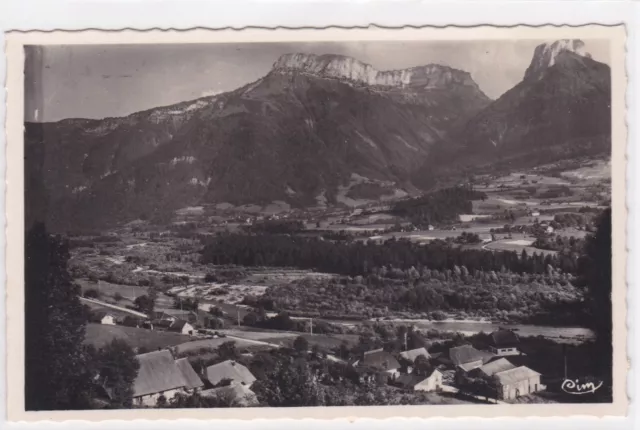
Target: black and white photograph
{"x":318,"y":224}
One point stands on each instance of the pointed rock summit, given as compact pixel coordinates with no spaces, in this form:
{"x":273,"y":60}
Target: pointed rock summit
{"x":546,"y":55}
{"x":431,"y":76}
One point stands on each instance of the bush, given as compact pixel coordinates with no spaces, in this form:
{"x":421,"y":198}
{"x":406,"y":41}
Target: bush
{"x":92,"y":293}
{"x":117,"y":297}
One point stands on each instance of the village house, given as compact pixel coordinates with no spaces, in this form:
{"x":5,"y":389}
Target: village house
{"x":181,"y":326}
{"x":492,"y":368}
{"x":466,"y":357}
{"x":236,"y":394}
{"x":517,"y":382}
{"x":191,"y":378}
{"x":412,"y":354}
{"x":378,"y":364}
{"x":102,"y":317}
{"x":504,"y":343}
{"x":134,"y":321}
{"x":158,"y":375}
{"x":229,"y":371}
{"x":431,"y":382}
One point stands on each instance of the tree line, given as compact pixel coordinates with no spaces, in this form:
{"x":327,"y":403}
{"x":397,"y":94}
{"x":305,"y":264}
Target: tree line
{"x":440,"y":206}
{"x":359,"y":258}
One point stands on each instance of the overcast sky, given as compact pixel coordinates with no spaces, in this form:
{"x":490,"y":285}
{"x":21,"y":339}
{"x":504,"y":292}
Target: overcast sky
{"x":97,"y":81}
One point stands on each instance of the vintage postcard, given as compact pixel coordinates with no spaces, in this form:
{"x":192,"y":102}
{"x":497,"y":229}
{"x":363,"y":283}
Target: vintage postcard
{"x":316,"y":223}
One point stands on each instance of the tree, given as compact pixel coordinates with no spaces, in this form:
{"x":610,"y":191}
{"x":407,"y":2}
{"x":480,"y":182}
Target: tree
{"x":92,"y":293}
{"x":117,"y":369}
{"x":301,"y":344}
{"x":595,"y":274}
{"x":57,"y":375}
{"x":144,"y":304}
{"x":250,"y":319}
{"x":228,"y":351}
{"x":421,"y":366}
{"x":216,"y":311}
{"x":291,"y":383}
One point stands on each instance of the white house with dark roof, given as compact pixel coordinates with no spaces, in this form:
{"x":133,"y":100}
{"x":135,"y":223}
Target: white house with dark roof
{"x":158,"y":375}
{"x":504,"y":343}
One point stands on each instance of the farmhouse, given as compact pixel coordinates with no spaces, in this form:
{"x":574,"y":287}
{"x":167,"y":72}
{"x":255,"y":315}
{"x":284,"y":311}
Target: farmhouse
{"x":181,"y":326}
{"x":229,"y":370}
{"x":517,"y":382}
{"x":102,"y":317}
{"x":504,"y":342}
{"x":191,"y":378}
{"x":158,"y":376}
{"x":468,"y":357}
{"x":432,"y":382}
{"x":133,"y":321}
{"x":492,"y":368}
{"x":235,"y":394}
{"x":381,"y":362}
{"x":412,"y":354}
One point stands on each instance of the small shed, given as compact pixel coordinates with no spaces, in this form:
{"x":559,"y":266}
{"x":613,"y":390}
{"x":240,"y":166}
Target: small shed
{"x":102,"y":317}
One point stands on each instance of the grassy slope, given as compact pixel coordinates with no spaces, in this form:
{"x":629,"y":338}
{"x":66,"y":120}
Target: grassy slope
{"x":99,"y":335}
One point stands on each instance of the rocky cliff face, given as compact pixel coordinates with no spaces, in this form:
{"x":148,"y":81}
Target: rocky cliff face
{"x":546,"y":55}
{"x":561,"y":109}
{"x":299,"y":134}
{"x":431,"y":76}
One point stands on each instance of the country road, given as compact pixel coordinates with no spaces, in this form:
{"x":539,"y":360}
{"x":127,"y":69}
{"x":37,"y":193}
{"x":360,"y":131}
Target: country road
{"x":108,"y":305}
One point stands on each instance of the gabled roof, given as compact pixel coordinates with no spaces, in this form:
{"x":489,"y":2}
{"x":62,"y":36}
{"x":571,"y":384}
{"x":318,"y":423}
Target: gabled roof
{"x":518,"y":374}
{"x":190,"y":376}
{"x":240,"y":393}
{"x":178,"y":325}
{"x":504,"y":338}
{"x":158,"y":372}
{"x":467,"y":354}
{"x":494,"y":367}
{"x":412,"y":354}
{"x":412,"y":380}
{"x":470,"y":366}
{"x":229,"y":370}
{"x":379,"y":359}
